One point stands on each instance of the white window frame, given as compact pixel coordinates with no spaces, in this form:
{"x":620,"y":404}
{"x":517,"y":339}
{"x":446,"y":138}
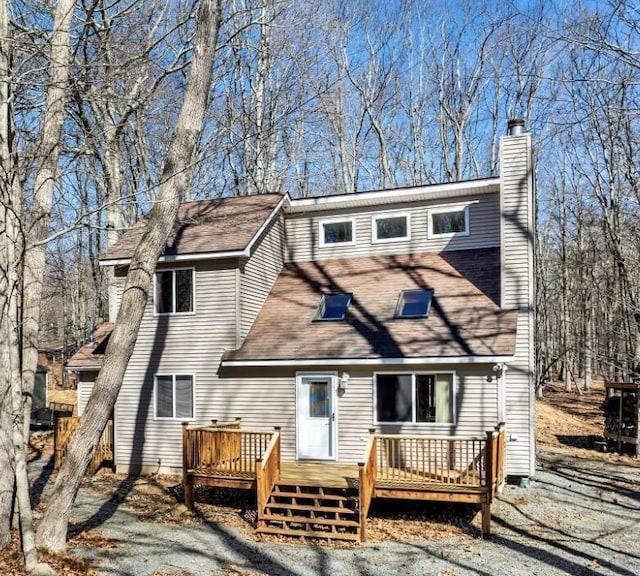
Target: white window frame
{"x":173,"y":295}
{"x":155,"y":396}
{"x":413,"y":422}
{"x":444,"y":210}
{"x":374,"y":227}
{"x":321,"y":237}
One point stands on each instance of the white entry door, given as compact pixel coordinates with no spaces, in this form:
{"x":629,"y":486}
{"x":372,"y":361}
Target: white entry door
{"x":316,"y":417}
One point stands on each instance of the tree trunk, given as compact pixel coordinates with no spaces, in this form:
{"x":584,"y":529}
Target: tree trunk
{"x":34,"y":257}
{"x":176,"y":178}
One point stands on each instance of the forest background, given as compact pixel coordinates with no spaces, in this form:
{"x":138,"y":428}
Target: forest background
{"x":340,"y":97}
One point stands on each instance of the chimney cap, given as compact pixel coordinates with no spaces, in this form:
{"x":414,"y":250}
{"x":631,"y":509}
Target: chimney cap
{"x":515,"y":127}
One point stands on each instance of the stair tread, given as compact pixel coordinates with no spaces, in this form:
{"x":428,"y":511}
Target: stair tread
{"x":314,"y":496}
{"x":288,"y":506}
{"x":309,"y":533}
{"x":308,"y":520}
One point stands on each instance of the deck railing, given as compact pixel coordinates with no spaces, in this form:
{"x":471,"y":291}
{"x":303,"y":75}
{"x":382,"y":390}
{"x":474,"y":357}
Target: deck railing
{"x":64,"y":431}
{"x":215,"y":448}
{"x":267,"y":471}
{"x":367,"y":472}
{"x":469,"y":461}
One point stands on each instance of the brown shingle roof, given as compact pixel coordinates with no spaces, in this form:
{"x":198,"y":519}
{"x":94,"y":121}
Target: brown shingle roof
{"x":464,"y":320}
{"x":91,"y":355}
{"x":207,"y":226}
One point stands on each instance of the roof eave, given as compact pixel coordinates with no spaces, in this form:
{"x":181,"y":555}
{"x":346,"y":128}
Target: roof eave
{"x":194,"y":256}
{"x":368,"y":361}
{"x":391,"y":196}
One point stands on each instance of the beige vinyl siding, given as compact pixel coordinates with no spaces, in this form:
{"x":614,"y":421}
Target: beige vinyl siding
{"x":86,"y":380}
{"x":259,"y":274}
{"x":476,"y":407}
{"x":518,"y":286}
{"x":266,"y":401}
{"x":484,"y":230}
{"x":174,"y":344}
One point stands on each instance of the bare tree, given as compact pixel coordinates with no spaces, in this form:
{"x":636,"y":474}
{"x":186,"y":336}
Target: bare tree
{"x":173,"y":186}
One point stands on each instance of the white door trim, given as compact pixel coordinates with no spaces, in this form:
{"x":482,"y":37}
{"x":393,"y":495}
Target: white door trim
{"x":333,"y":410}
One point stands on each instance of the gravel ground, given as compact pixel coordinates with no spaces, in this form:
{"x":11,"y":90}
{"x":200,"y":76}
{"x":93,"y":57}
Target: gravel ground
{"x":581,"y":516}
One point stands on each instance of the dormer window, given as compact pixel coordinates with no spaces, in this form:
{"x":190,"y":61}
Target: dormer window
{"x":414,"y":304}
{"x":448,"y":221}
{"x":333,"y":307}
{"x":390,"y":228}
{"x":337,"y":232}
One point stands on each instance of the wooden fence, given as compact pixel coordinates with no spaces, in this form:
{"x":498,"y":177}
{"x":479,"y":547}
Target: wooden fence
{"x":65,"y":428}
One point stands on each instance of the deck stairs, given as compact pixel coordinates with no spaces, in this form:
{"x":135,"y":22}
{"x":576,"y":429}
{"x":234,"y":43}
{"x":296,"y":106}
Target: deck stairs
{"x":304,"y":510}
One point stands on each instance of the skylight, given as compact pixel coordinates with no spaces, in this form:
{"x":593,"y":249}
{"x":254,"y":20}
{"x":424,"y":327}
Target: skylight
{"x":333,"y":307}
{"x":414,"y":304}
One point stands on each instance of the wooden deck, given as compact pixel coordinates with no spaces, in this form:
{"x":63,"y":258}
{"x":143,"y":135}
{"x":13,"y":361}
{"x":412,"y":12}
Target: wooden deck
{"x":299,"y":498}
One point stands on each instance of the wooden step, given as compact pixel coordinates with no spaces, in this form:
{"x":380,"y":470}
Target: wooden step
{"x":328,"y":509}
{"x":319,"y":520}
{"x":352,"y":537}
{"x":314,"y":496}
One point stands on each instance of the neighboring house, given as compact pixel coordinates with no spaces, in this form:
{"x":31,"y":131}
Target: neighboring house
{"x":408,"y":310}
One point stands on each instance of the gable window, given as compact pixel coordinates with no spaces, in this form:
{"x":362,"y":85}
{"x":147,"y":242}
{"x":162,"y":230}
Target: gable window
{"x":414,"y":304}
{"x":334,"y":232}
{"x":444,"y":222}
{"x":390,"y":228}
{"x":174,"y":291}
{"x":174,"y":396}
{"x":415,"y":398}
{"x":333,"y":307}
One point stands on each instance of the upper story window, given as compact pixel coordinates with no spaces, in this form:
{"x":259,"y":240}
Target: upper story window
{"x":390,"y":228}
{"x":174,"y":290}
{"x":417,"y":398}
{"x":338,"y":231}
{"x":414,"y":304}
{"x":446,"y":222}
{"x":333,"y":307}
{"x":174,"y":396}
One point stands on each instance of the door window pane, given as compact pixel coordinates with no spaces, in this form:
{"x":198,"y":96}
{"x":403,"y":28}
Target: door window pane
{"x":319,"y":405}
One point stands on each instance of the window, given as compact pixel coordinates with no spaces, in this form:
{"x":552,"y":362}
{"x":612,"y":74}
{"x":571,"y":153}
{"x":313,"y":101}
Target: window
{"x":174,"y":291}
{"x":414,"y":304}
{"x":415,"y":398}
{"x":390,"y":228}
{"x":337,"y":232}
{"x":333,"y":307}
{"x":174,"y":396}
{"x":449,"y":222}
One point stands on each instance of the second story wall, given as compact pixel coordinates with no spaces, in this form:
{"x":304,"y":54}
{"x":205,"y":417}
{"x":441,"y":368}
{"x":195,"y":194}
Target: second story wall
{"x":259,"y":273}
{"x":304,"y":242}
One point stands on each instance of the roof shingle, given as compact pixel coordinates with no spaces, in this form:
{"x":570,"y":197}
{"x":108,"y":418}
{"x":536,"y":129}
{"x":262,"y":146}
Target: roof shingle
{"x":465,"y":319}
{"x":207,"y":226}
{"x":91,"y":355}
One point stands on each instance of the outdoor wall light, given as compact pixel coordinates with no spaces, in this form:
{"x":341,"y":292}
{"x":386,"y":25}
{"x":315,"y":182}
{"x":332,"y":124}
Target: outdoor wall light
{"x":343,"y":382}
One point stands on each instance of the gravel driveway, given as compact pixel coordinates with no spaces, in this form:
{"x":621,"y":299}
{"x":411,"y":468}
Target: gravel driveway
{"x":581,"y":516}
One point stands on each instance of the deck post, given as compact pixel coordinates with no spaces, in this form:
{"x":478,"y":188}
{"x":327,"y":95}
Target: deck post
{"x":186,"y":483}
{"x":486,"y":519}
{"x":362,"y":498}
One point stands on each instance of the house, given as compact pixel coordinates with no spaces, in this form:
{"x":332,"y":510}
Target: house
{"x":406,"y":311}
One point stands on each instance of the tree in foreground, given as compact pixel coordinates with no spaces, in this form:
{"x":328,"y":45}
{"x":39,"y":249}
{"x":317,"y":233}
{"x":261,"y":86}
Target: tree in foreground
{"x":175,"y":182}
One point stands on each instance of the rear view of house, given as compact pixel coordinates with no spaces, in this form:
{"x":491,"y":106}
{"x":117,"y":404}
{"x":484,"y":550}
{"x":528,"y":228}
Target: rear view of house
{"x":396,"y":312}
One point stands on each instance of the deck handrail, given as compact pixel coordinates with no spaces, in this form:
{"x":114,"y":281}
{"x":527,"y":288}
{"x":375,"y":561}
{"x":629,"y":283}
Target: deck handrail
{"x":64,"y":431}
{"x":215,"y":425}
{"x":267,"y":471}
{"x":433,"y":437}
{"x":368,"y":472}
{"x":465,"y":461}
